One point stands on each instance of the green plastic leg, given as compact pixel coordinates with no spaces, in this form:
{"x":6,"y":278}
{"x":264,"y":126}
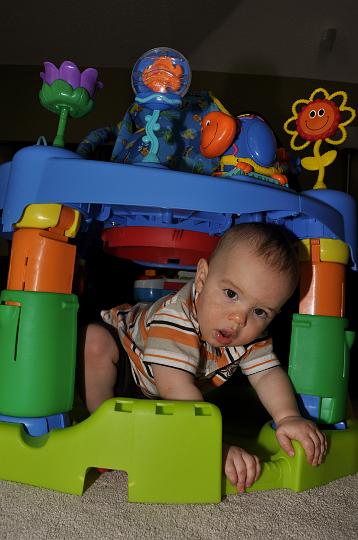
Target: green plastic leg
{"x":170,"y":450}
{"x":321,"y":343}
{"x":37,"y":378}
{"x":282,"y":471}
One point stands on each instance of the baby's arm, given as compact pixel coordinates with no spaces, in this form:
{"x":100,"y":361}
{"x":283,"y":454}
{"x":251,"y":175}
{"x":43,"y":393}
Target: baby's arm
{"x":175,"y":383}
{"x":275,"y":392}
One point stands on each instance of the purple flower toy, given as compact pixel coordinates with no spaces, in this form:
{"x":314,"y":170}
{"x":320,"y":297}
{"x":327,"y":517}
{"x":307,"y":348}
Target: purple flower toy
{"x":67,"y":91}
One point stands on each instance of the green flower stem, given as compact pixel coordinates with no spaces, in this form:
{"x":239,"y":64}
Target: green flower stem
{"x":59,"y":139}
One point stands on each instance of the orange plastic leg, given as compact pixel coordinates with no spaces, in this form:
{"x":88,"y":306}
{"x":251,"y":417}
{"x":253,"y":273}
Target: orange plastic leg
{"x":41,"y":261}
{"x":322,"y":289}
{"x":322,"y":284}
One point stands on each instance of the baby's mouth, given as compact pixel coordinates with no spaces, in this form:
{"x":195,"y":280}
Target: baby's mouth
{"x":224,"y":337}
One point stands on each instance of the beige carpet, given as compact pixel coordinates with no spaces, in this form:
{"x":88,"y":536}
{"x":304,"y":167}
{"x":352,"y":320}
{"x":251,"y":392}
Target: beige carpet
{"x":103,"y":512}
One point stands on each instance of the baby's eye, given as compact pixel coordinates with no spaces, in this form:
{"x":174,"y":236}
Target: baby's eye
{"x":230,"y":294}
{"x":261,"y":313}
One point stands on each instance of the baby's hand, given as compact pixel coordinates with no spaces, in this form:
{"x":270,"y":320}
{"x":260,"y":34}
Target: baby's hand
{"x":241,"y":468}
{"x":307,"y":433}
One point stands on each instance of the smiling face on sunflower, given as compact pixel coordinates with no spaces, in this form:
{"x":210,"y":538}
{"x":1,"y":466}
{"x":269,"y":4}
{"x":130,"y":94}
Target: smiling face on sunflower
{"x":319,"y":118}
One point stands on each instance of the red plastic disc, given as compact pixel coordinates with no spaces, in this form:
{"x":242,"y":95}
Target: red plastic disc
{"x":159,"y":245}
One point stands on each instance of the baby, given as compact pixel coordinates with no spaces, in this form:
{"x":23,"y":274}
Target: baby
{"x":183,"y":344}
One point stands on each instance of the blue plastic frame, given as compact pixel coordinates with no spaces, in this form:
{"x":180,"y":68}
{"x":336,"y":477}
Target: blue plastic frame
{"x":44,"y":174}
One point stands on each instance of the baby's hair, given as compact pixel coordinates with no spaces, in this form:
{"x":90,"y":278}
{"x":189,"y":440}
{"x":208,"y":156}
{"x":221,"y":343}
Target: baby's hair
{"x":267,"y":240}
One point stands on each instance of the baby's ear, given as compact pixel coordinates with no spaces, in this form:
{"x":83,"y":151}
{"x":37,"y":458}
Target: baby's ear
{"x":202,"y":271}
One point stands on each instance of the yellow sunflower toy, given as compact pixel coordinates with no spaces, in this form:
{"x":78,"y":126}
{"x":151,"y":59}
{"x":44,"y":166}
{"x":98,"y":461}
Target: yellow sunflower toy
{"x":318,"y":119}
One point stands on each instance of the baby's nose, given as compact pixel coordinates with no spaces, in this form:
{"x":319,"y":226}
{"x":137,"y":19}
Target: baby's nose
{"x":239,"y":317}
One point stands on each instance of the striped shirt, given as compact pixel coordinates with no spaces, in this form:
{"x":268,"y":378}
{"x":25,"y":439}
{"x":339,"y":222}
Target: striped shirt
{"x":167,"y":333}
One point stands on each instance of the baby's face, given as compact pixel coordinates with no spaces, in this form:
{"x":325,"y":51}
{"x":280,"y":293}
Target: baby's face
{"x":238,"y":297}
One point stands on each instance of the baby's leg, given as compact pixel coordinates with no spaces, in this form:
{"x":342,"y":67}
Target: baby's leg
{"x":99,"y":365}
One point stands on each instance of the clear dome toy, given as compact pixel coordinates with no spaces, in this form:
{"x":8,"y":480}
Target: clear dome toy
{"x":160,"y":78}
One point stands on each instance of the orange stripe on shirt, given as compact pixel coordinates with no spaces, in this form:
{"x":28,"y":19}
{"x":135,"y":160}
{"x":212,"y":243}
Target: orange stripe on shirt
{"x":165,"y":314}
{"x":162,"y":332}
{"x":259,"y":345}
{"x":258,"y":364}
{"x":142,"y":329}
{"x":127,"y":344}
{"x":179,"y":360}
